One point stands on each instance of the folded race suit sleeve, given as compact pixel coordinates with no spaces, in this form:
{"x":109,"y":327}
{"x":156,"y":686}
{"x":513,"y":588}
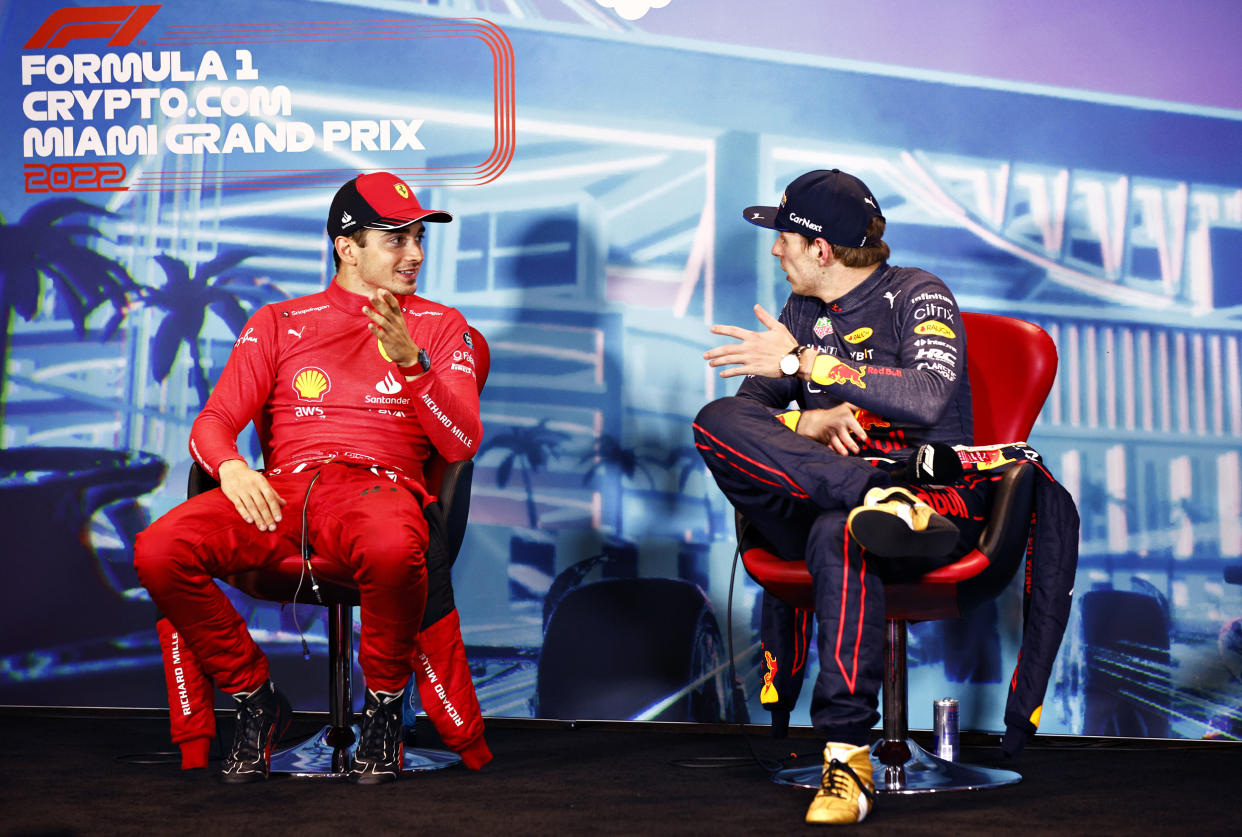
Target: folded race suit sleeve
{"x":1048,"y":589}
{"x":191,"y":712}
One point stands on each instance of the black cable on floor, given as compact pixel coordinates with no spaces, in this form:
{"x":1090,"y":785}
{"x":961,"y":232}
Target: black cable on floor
{"x":769,"y":766}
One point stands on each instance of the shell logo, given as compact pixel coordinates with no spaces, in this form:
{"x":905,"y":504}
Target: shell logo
{"x":311,"y":384}
{"x":859,"y":335}
{"x":935,"y":327}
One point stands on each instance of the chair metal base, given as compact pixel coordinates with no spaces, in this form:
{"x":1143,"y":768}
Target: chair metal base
{"x":920,"y":772}
{"x":318,"y":757}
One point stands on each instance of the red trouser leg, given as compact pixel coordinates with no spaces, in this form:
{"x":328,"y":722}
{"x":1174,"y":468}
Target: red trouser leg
{"x":178,"y":556}
{"x":374,"y":525}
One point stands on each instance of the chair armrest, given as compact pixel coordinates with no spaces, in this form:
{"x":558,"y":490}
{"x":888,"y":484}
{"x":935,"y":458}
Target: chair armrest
{"x":454,"y":502}
{"x":199,"y":481}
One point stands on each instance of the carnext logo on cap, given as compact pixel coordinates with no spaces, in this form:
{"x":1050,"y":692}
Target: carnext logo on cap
{"x":806,"y":222}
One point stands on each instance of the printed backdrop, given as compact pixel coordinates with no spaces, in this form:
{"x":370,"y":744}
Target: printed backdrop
{"x":167,"y":168}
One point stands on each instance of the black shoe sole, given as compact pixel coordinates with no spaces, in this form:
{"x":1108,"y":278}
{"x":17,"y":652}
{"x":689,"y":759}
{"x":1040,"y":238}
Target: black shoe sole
{"x":888,"y":536}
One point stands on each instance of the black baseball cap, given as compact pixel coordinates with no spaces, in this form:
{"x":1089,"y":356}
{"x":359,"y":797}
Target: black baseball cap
{"x":377,"y":201}
{"x":831,"y":205}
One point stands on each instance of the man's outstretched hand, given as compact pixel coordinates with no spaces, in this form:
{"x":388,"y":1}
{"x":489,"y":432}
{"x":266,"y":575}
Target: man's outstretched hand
{"x":757,"y":353}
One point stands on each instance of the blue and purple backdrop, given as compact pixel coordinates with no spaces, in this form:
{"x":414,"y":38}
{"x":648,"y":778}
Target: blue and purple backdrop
{"x":1075,"y":164}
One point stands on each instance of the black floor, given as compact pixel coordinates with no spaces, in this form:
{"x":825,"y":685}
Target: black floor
{"x":77,"y":773}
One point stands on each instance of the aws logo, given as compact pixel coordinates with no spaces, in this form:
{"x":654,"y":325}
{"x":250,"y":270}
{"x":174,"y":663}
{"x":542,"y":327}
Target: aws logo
{"x":935,"y":327}
{"x":308,"y":412}
{"x":311,"y":384}
{"x":119,"y":24}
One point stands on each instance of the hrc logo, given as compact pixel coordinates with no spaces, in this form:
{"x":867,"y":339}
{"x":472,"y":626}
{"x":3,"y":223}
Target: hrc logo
{"x":311,"y":384}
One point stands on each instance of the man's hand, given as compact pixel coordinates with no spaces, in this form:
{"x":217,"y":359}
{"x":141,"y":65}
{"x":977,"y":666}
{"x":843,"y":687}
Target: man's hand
{"x":835,"y":427}
{"x":389,"y":326}
{"x":758,"y":353}
{"x":251,"y":494}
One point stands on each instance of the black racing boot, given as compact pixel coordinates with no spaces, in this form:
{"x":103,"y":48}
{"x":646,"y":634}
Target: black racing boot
{"x":381,"y":748}
{"x":262,"y":717}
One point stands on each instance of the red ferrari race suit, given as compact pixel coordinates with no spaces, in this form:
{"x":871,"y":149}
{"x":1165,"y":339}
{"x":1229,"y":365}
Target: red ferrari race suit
{"x":333,"y":412}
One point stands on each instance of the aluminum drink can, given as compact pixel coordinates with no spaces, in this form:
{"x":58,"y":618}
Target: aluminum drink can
{"x":944,"y":718}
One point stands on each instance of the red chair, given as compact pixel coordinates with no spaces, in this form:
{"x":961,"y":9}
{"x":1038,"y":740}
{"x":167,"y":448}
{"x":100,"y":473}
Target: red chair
{"x":329,"y":752}
{"x":1012,"y":366}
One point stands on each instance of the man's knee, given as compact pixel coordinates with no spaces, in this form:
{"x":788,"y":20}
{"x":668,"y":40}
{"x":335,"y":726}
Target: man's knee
{"x":717,"y":417}
{"x":153,"y":558}
{"x":393,"y":556}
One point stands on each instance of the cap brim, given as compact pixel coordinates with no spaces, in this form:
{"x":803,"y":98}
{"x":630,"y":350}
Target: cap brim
{"x":429,"y":215}
{"x":761,"y":216}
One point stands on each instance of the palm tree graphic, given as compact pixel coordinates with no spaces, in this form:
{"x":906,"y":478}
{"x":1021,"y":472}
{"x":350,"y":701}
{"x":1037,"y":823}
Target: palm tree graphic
{"x":530,"y":449}
{"x":185,"y":300}
{"x":44,"y":247}
{"x":607,"y":454}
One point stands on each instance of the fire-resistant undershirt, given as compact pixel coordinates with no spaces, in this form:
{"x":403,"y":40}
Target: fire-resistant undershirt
{"x":318,"y":386}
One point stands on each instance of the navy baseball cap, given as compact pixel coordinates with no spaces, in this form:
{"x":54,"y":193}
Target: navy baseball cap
{"x":377,"y":201}
{"x":831,"y":205}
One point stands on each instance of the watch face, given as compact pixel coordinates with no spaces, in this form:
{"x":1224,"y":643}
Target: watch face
{"x":789,"y":365}
{"x":424,"y":360}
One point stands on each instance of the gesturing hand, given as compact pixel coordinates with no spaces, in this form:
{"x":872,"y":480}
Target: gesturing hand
{"x":389,"y":326}
{"x":758,"y":353}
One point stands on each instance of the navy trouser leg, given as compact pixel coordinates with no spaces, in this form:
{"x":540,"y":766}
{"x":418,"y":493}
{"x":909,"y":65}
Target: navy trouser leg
{"x":798,"y":493}
{"x":762,"y":464}
{"x":849,"y":620}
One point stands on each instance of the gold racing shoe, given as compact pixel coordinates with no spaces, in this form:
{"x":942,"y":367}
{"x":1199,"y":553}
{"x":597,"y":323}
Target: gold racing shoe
{"x":846,"y":791}
{"x":894,"y":523}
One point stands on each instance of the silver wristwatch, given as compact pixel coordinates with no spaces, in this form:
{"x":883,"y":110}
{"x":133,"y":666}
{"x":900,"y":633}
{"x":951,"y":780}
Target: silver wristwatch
{"x":791,"y":361}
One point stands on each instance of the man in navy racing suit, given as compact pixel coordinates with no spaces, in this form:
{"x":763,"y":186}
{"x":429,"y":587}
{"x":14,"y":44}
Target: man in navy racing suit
{"x":874,"y":358}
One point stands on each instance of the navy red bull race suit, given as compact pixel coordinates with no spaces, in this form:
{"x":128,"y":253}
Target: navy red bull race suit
{"x":345,"y":437}
{"x":894,"y":347}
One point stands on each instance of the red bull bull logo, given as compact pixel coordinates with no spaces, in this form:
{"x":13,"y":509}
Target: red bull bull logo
{"x":869,"y":420}
{"x":831,"y":370}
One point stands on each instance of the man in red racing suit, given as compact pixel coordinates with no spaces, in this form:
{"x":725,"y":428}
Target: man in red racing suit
{"x":351,"y":389}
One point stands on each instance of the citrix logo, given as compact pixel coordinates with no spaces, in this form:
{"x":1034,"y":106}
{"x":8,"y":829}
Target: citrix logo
{"x":119,"y":24}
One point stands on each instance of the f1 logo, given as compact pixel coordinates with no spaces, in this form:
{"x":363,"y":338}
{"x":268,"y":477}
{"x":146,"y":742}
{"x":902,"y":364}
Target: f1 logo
{"x":120,"y":24}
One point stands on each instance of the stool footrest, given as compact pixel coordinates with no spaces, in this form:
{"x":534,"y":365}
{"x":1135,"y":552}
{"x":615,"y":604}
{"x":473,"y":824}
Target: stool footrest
{"x":316,"y":758}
